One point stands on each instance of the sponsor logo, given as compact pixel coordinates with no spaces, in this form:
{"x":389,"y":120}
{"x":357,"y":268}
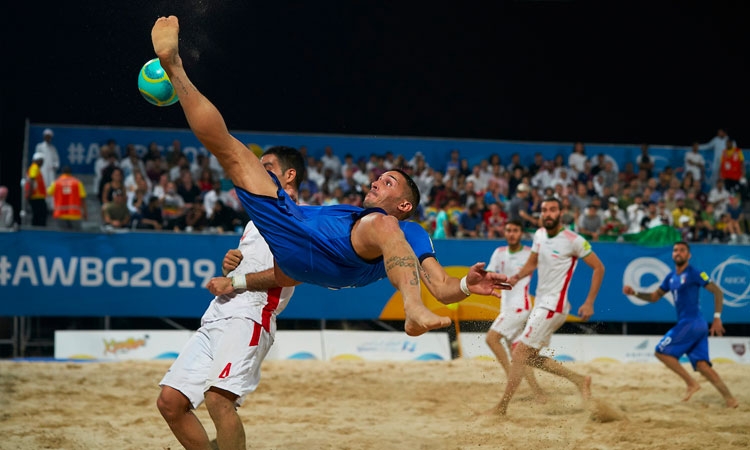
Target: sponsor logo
{"x":645,"y":274}
{"x":739,"y":349}
{"x":115,"y":347}
{"x":732,"y":276}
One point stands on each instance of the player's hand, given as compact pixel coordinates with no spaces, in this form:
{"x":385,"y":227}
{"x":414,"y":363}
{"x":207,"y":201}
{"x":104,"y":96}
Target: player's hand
{"x":717,"y":328}
{"x":231,"y":260}
{"x":220,"y":286}
{"x":483,"y":282}
{"x":586,"y":311}
{"x":628,"y":290}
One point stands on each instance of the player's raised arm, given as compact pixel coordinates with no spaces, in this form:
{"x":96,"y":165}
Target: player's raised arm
{"x":241,"y":165}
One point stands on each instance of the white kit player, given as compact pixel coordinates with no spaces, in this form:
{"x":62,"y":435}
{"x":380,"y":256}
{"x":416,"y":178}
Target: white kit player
{"x":515,"y":305}
{"x":555,"y":253}
{"x":221,"y":362}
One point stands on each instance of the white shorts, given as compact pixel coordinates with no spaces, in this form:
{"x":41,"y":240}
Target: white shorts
{"x":539,"y":327}
{"x":510,"y":325}
{"x":226,"y":354}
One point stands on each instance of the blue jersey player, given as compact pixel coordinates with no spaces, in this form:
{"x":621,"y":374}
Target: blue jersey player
{"x":334,"y":247}
{"x":690,"y":334}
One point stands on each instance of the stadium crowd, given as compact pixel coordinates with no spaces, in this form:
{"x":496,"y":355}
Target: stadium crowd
{"x":166,"y":191}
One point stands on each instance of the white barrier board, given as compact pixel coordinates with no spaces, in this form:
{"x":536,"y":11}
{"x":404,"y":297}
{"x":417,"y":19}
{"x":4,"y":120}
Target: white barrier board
{"x":385,"y":346}
{"x":586,"y":348}
{"x":119,"y":344}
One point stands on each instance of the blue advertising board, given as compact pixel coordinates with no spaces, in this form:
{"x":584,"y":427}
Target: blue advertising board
{"x":134,"y":274}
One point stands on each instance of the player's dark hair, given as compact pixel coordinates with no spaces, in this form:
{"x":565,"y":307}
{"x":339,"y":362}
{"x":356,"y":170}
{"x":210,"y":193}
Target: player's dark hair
{"x":687,"y":246}
{"x":516,"y":222}
{"x":553,"y":199}
{"x":414,"y":191}
{"x":289,"y":158}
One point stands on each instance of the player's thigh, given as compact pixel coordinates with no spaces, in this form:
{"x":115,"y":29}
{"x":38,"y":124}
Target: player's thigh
{"x":540,"y":326}
{"x":189,"y":371}
{"x":238,"y":356}
{"x":510,"y":325}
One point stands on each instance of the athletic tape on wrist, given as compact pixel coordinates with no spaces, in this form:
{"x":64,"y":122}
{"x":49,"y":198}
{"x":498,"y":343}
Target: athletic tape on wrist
{"x":465,"y":287}
{"x":717,"y":315}
{"x":239,"y":282}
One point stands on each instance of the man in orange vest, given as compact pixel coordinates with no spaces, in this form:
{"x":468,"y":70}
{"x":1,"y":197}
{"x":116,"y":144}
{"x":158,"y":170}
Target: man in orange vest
{"x":732,"y":168}
{"x":36,"y":191}
{"x":69,"y":198}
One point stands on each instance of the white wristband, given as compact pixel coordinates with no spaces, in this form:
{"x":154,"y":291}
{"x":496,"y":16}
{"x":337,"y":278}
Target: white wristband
{"x":465,"y":287}
{"x":239,"y":282}
{"x":717,"y":315}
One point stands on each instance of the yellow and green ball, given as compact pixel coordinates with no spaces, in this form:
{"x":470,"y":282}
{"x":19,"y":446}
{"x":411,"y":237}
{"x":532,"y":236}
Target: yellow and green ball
{"x":154,"y":84}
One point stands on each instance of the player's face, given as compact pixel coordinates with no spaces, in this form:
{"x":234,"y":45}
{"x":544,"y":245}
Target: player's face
{"x":271,"y":163}
{"x":550,"y":215}
{"x":513,"y":234}
{"x":680,"y":255}
{"x":387,"y":192}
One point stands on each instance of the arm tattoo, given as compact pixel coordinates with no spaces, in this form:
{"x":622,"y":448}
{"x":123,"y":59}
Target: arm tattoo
{"x":404,"y":261}
{"x":425,"y":276}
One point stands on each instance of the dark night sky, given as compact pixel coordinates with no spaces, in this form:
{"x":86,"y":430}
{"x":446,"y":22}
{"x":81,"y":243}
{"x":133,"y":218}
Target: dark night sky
{"x":664,"y":73}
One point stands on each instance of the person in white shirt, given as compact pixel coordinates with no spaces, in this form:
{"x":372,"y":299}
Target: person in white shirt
{"x":695,"y":163}
{"x":6,"y":211}
{"x":515,"y":304}
{"x":331,"y":161}
{"x":555,"y":253}
{"x":51,"y":159}
{"x":717,"y":144}
{"x":719,"y":197}
{"x":577,"y":159}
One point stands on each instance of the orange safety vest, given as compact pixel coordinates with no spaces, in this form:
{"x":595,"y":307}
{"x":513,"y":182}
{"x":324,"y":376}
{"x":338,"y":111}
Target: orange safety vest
{"x":39,"y":190}
{"x":67,"y":197}
{"x":731,"y":164}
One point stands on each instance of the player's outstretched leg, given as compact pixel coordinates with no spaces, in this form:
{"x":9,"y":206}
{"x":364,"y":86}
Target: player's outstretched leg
{"x":711,"y":375}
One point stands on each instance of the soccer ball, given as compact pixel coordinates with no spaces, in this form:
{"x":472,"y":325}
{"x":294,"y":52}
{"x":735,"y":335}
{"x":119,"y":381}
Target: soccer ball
{"x":154,"y":84}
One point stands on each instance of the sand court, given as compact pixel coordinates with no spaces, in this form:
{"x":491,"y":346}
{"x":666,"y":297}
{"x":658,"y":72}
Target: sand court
{"x":378,"y":405}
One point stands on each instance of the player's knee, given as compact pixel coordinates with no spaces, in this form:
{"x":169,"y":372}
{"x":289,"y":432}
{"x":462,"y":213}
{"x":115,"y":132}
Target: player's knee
{"x":171,"y":403}
{"x":219,"y":402}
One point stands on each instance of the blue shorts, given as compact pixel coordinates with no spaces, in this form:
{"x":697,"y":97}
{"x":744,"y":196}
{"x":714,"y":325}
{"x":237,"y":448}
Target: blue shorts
{"x":689,"y":337}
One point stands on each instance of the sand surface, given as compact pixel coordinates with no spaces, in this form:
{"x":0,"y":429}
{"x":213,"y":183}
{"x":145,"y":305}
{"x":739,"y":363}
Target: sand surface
{"x":377,"y":405}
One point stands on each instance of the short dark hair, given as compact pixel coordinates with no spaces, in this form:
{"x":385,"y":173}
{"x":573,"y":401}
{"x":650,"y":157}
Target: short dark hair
{"x":289,"y":158}
{"x":687,"y":246}
{"x":516,"y":222}
{"x":414,"y":191}
{"x":553,"y":199}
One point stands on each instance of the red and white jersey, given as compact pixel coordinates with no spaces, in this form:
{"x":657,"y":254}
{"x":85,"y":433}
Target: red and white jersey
{"x":261,"y":307}
{"x":558,"y":257}
{"x":509,"y":263}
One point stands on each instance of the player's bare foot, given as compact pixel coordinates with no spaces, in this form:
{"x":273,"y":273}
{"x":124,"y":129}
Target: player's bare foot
{"x":495,"y":411}
{"x":691,"y":389}
{"x":732,"y":403}
{"x":585,"y":388}
{"x":165,"y":37}
{"x":420,"y":320}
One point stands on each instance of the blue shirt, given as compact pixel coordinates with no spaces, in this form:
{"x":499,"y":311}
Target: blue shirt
{"x":312,"y":244}
{"x":685,"y":288}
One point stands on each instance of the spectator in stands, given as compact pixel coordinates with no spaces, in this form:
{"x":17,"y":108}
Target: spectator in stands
{"x":224,"y":219}
{"x":536,"y":166}
{"x":664,"y":212}
{"x":479,"y":178}
{"x":330,"y":160}
{"x":7,"y":221}
{"x":732,"y":168}
{"x":187,"y":188}
{"x":104,"y":167}
{"x":494,"y":220}
{"x":470,"y":223}
{"x":468,"y":194}
{"x":176,"y":170}
{"x":705,"y":225}
{"x":131,"y":163}
{"x":150,"y":217}
{"x":172,"y":205}
{"x":719,"y":197}
{"x":544,"y":177}
{"x":580,"y":199}
{"x":652,"y":218}
{"x":518,"y":208}
{"x":115,"y":213}
{"x":69,"y":201}
{"x":154,"y":162}
{"x":695,"y":164}
{"x":586,"y":175}
{"x":515,"y":163}
{"x":314,"y":171}
{"x":628,"y":174}
{"x":680,"y":213}
{"x":568,"y":215}
{"x":116,"y":183}
{"x":193,"y":220}
{"x":578,"y":158}
{"x":51,"y":158}
{"x":138,"y":197}
{"x":439,"y":190}
{"x":516,"y":177}
{"x":717,"y":144}
{"x":590,"y":223}
{"x":636,"y":212}
{"x":205,"y":181}
{"x":174,"y":152}
{"x":645,"y":161}
{"x":454,"y":160}
{"x":563,"y":178}
{"x":350,"y":164}
{"x":442,"y":228}
{"x":735,"y":220}
{"x":35,"y":190}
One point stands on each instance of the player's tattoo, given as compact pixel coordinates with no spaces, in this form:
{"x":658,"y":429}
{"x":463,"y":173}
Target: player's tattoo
{"x":425,"y":276}
{"x":399,"y":261}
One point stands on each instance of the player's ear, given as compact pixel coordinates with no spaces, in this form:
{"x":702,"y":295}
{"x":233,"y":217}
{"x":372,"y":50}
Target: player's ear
{"x":405,"y":206}
{"x":290,"y":174}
